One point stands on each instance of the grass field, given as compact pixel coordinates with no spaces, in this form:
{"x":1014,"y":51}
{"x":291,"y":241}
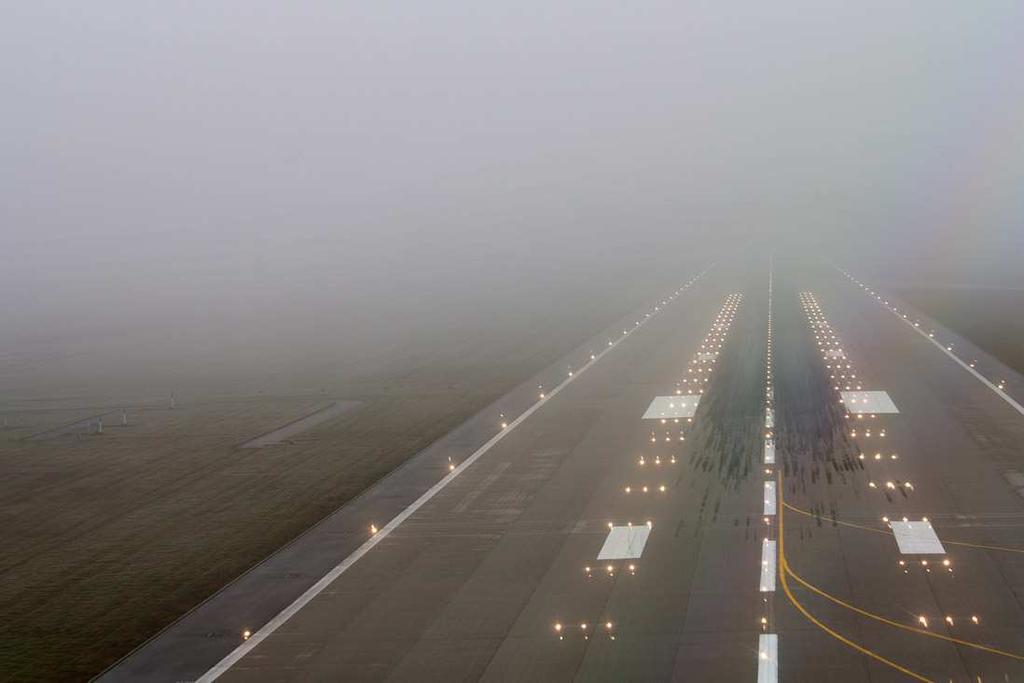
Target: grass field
{"x":107,"y":538}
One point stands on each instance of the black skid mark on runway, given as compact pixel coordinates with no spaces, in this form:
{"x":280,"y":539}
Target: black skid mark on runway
{"x":818,"y":454}
{"x":727,"y":429}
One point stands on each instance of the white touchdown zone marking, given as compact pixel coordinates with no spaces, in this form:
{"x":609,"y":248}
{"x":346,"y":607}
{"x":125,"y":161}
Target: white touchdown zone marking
{"x":327,"y":579}
{"x":624,"y":543}
{"x":916,"y":538}
{"x":670,"y":407}
{"x":864,"y":402}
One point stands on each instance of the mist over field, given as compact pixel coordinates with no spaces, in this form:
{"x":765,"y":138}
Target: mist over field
{"x":263,"y":263}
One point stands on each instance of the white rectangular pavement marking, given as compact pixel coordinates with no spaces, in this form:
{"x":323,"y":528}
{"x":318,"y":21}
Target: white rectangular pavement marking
{"x":769,"y":498}
{"x":769,"y":451}
{"x":769,"y":418}
{"x":767,"y":658}
{"x":624,"y":543}
{"x":767,"y":566}
{"x":663,"y":407}
{"x":917,"y":538}
{"x":868,"y":402}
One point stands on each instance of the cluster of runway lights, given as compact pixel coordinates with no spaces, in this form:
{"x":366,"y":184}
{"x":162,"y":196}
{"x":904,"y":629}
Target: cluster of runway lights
{"x":841,"y":370}
{"x":503,"y":422}
{"x":585,"y":629}
{"x":702,"y":363}
{"x":698,"y":373}
{"x":845,"y":379}
{"x":1000,"y":384}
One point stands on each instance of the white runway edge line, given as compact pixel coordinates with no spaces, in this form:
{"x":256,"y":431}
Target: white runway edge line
{"x":291,"y":610}
{"x":980,"y":377}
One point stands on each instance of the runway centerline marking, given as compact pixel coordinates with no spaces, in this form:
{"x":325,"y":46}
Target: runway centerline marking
{"x":768,"y":641}
{"x":767,"y":566}
{"x":313,"y":591}
{"x":767,"y":658}
{"x":769,"y":498}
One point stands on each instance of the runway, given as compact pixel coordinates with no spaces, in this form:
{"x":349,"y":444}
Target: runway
{"x":564,"y":535}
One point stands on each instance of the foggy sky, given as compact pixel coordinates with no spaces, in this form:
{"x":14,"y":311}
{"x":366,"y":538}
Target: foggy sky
{"x":159,"y":159}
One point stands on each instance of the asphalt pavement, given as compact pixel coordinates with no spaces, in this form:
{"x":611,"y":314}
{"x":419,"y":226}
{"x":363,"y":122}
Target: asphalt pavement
{"x":720,"y":559}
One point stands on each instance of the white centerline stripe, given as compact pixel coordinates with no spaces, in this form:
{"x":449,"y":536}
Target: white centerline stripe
{"x":768,"y":658}
{"x":291,"y":610}
{"x":769,"y":498}
{"x":767,"y":566}
{"x":769,"y":451}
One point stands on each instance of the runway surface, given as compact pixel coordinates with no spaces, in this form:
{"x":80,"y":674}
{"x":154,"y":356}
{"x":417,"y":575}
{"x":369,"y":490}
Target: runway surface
{"x":752,"y":541}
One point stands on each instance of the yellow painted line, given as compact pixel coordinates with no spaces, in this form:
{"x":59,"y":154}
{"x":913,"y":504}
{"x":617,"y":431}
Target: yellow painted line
{"x":855,"y":526}
{"x":858,"y":610}
{"x":964,"y":544}
{"x":890,"y":622}
{"x":810,"y":617}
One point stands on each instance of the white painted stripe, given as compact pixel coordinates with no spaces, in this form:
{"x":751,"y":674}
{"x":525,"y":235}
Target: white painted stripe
{"x":917,"y":538}
{"x":671,"y":407}
{"x":624,"y":543}
{"x":291,"y":610}
{"x":769,"y":498}
{"x":980,"y":377}
{"x":769,"y":418}
{"x":767,"y":566}
{"x":768,"y":658}
{"x":769,"y":451}
{"x":861,"y":402}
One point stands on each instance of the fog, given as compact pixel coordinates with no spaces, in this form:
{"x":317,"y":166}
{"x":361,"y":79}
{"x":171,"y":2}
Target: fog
{"x":239,"y":170}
